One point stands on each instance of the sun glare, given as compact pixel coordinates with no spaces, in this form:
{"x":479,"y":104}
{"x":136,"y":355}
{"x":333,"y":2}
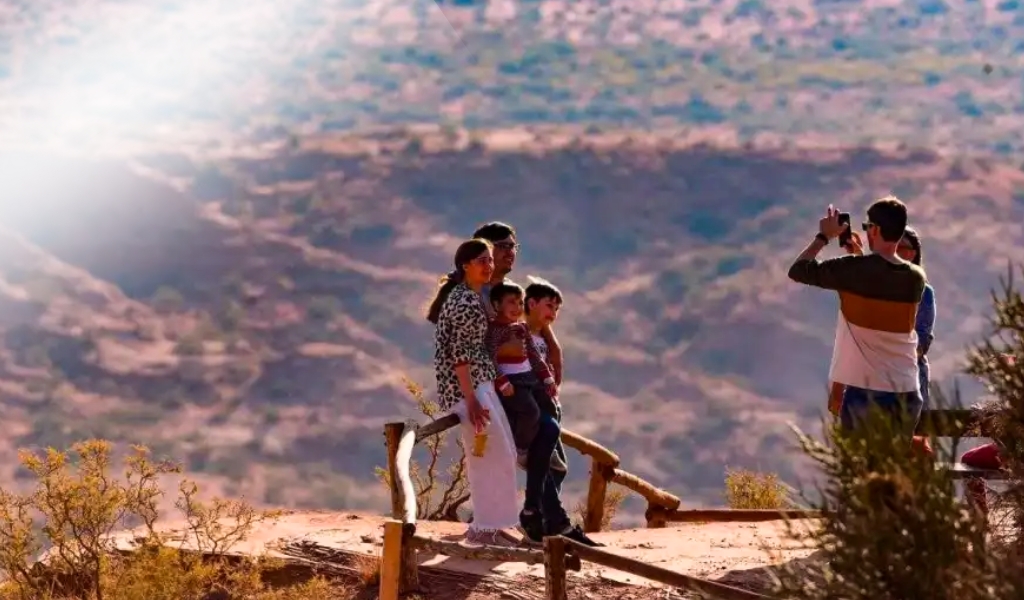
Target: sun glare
{"x":98,"y":70}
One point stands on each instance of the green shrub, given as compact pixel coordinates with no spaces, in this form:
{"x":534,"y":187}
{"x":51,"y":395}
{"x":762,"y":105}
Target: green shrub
{"x":893,"y":525}
{"x":753,"y":490}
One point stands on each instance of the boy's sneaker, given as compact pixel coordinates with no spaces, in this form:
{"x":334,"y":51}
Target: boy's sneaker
{"x":557,"y":464}
{"x":532,"y":525}
{"x":576,"y":534}
{"x":521,"y":458}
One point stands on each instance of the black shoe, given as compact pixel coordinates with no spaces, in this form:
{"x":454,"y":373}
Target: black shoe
{"x":532,"y":524}
{"x":576,"y":534}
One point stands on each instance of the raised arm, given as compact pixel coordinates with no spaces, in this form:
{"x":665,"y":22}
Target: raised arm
{"x":832,"y":274}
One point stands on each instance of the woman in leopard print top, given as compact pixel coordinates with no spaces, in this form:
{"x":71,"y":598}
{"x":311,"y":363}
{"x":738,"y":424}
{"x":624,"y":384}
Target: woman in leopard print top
{"x":465,"y":385}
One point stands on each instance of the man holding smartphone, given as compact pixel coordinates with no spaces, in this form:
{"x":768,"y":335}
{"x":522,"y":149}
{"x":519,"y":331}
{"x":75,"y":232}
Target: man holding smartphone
{"x":875,"y":352}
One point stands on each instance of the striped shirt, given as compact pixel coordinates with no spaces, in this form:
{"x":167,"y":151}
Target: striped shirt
{"x":876,"y":342}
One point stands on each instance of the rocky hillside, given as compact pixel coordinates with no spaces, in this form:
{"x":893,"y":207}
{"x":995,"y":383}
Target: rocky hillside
{"x":257,"y":316}
{"x":111,"y":73}
{"x":220,"y":220}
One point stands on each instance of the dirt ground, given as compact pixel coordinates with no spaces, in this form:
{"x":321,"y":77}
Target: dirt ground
{"x":733,"y":553}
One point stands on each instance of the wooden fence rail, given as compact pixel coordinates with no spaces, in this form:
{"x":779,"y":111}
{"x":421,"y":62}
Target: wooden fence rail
{"x":558,"y":550}
{"x":399,"y":573}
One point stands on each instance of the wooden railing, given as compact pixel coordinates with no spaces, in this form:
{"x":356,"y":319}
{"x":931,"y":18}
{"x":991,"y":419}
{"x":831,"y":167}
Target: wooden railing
{"x":662,"y":506}
{"x":559,"y":552}
{"x":399,"y":570}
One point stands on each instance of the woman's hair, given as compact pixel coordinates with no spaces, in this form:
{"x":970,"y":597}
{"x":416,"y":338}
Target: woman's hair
{"x":915,"y":242}
{"x":467,"y":251}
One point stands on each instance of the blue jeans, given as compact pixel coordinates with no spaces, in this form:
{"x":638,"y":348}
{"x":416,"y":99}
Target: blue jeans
{"x":544,"y":484}
{"x":538,"y":461}
{"x":924,"y":371}
{"x":903,"y":407}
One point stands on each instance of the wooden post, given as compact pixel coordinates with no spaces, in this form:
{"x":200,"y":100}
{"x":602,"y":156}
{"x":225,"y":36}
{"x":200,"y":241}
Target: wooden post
{"x":596,"y":493}
{"x":392,"y":435}
{"x":657,"y":517}
{"x":554,"y":568}
{"x":391,"y":561}
{"x":410,"y":566}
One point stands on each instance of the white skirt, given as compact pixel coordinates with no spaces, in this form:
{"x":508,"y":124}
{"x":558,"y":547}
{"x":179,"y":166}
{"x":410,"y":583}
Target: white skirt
{"x":493,"y":487}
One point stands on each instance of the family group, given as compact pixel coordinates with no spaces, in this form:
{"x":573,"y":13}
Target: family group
{"x":499,"y":368}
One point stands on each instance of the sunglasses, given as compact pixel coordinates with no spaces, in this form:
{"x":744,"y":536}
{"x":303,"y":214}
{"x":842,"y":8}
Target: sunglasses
{"x":866,"y":225}
{"x":507,"y":246}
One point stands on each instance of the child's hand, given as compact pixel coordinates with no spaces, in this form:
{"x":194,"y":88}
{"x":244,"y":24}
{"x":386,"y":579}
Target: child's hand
{"x":553,"y":392}
{"x":507,"y":390}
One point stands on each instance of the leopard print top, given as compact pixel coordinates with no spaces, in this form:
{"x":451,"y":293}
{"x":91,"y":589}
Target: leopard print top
{"x":459,"y":339}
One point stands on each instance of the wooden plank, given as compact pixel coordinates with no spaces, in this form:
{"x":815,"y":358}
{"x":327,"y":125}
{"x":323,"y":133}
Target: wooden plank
{"x":589,"y":447}
{"x":391,"y":561}
{"x":410,"y":566}
{"x":392,"y":437}
{"x":597,"y":491}
{"x":656,"y":516}
{"x":436,"y":427}
{"x":482,"y":552}
{"x":729,"y":515}
{"x":403,"y":460}
{"x":962,"y":471}
{"x":653,"y":495}
{"x":554,"y":568}
{"x":710,"y":589}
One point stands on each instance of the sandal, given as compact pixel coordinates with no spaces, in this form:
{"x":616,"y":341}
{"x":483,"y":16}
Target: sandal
{"x":488,"y":538}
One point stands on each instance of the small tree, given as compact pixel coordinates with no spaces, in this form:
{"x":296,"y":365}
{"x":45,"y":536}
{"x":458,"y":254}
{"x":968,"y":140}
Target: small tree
{"x":440,"y":490}
{"x":893,"y":526}
{"x":997,"y":362}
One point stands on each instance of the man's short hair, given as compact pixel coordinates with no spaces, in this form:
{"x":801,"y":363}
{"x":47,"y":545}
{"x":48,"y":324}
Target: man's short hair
{"x":495,"y":231}
{"x":890,"y":215}
{"x":503,"y":289}
{"x":541,"y":289}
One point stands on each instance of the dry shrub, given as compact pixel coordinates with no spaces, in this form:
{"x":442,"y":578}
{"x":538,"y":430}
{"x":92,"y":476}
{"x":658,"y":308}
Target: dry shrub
{"x":745,"y":489}
{"x":78,"y":502}
{"x":369,"y":570}
{"x":613,"y":499}
{"x":999,"y":364}
{"x":316,"y":588}
{"x":894,"y":526}
{"x":441,"y":490}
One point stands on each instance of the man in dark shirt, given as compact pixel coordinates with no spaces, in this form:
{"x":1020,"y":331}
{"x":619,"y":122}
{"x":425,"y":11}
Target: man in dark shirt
{"x":875,"y":352}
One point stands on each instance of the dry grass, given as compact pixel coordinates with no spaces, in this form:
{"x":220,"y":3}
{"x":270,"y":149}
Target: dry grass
{"x":613,"y":500}
{"x":369,"y":570}
{"x":78,"y":502}
{"x":745,"y":489}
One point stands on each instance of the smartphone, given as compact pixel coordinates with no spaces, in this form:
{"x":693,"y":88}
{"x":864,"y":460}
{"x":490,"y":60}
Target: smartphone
{"x":844,"y":237}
